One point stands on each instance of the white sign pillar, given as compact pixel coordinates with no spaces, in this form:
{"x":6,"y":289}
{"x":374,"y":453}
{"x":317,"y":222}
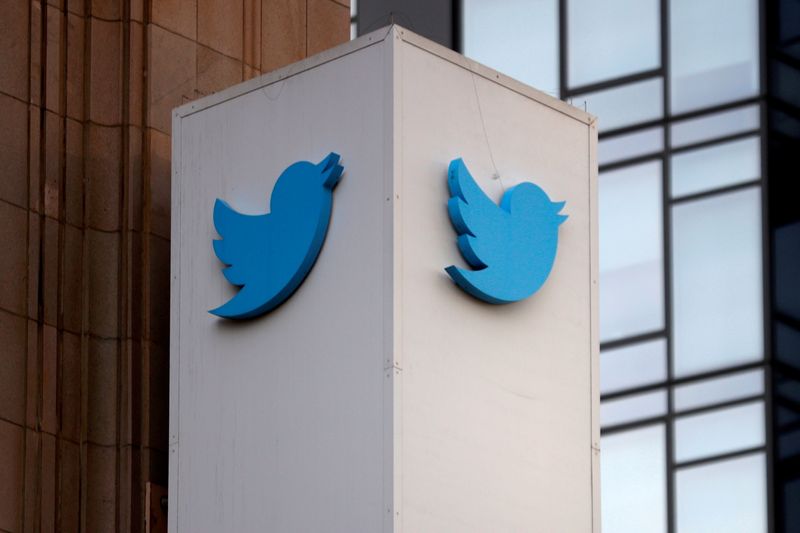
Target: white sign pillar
{"x":380,"y":396}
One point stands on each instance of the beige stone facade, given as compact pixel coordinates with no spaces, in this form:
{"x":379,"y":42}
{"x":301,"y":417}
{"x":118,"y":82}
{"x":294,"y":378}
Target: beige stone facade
{"x":86,"y":93}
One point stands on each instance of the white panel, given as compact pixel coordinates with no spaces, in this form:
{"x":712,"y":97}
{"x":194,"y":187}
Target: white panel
{"x":714,"y":52}
{"x":626,"y":105}
{"x":633,"y":481}
{"x":628,"y":146}
{"x":720,"y":431}
{"x":716,"y":166}
{"x":633,"y":366}
{"x":612,"y":38}
{"x":284,"y":413}
{"x":495,"y":398}
{"x":633,"y":408}
{"x":517,"y":37}
{"x":718,"y":308}
{"x":631,"y":251}
{"x":715,"y":125}
{"x":380,"y":397}
{"x":728,"y":496}
{"x":711,"y":391}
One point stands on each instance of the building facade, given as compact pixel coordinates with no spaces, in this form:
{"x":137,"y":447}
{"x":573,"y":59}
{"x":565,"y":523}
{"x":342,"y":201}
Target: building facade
{"x":86,"y":94}
{"x":700,"y":231}
{"x":699,"y":305}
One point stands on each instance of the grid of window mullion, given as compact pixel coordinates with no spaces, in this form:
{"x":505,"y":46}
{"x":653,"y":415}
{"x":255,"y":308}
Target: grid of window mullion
{"x":686,"y":380}
{"x":667,"y":202}
{"x":667,"y":243}
{"x":667,"y":333}
{"x":719,"y":457}
{"x":650,"y":420}
{"x":615,"y":83}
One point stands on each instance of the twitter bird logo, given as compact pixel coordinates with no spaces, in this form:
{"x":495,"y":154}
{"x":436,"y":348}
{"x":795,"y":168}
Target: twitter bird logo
{"x":270,"y":255}
{"x":511,"y":246}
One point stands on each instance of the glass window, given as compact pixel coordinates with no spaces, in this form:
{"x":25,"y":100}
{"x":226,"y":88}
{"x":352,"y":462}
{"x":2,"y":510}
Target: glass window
{"x":718,"y":390}
{"x":633,"y":366}
{"x":633,"y":408}
{"x":723,"y":496}
{"x":633,"y":481}
{"x":716,"y":125}
{"x":631,"y":251}
{"x":516,"y":37}
{"x":721,"y":431}
{"x":714,"y":52}
{"x":626,"y":105}
{"x":787,"y":339}
{"x":716,"y":276}
{"x":716,"y":166}
{"x":612,"y":38}
{"x":621,"y":147}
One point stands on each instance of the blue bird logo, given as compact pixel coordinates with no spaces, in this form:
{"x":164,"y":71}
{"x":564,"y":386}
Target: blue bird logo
{"x":512,"y":246}
{"x":270,"y":255}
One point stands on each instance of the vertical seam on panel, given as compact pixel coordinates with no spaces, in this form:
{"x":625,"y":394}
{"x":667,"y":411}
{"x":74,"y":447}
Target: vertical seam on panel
{"x":27,"y":264}
{"x":41,"y":259}
{"x":85,"y":192}
{"x":61,"y":263}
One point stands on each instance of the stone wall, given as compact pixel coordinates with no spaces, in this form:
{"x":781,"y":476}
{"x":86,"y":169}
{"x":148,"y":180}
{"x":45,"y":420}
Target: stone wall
{"x":86,"y":93}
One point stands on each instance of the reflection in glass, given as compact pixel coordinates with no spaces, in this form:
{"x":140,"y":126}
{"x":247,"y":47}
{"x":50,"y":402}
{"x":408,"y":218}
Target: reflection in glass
{"x":516,"y":37}
{"x":713,"y":52}
{"x":631,"y":251}
{"x":633,"y":481}
{"x":716,"y":279}
{"x":633,"y":408}
{"x":725,"y":496}
{"x":718,"y":390}
{"x":605,"y":44}
{"x":640,"y":364}
{"x":787,"y":269}
{"x":716,"y":125}
{"x":626,"y":105}
{"x":716,"y":166}
{"x":787,"y":343}
{"x":721,"y":431}
{"x":628,"y":146}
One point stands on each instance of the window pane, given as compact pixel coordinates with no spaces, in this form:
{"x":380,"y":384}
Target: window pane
{"x":633,"y":481}
{"x":717,"y":308}
{"x":353,"y":8}
{"x":353,"y":30}
{"x":631,"y":251}
{"x":630,"y":145}
{"x":714,"y":52}
{"x":722,"y":431}
{"x":718,"y":390}
{"x":633,"y":366}
{"x":626,"y":105}
{"x":716,"y":125}
{"x":612,"y":38}
{"x":517,"y":37}
{"x":633,"y":408}
{"x":716,"y":166}
{"x":724,"y":496}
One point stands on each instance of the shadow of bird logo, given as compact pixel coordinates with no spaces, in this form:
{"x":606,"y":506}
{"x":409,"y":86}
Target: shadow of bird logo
{"x":270,"y":255}
{"x":511,"y":247}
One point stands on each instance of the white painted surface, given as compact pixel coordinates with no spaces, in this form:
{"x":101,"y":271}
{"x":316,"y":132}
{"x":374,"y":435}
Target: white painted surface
{"x":486,"y":420}
{"x":280,"y":420}
{"x":496,"y":404}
